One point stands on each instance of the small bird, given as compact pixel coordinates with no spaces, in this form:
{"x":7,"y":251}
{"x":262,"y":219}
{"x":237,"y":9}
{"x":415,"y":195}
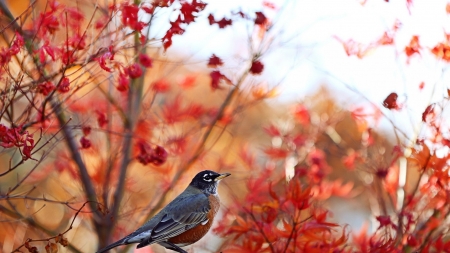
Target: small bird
{"x":184,"y":220}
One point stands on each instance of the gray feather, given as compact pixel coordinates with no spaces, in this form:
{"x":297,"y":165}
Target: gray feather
{"x":183,"y":213}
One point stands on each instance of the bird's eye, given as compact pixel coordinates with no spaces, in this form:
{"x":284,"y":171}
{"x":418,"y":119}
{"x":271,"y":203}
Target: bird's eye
{"x":207,"y":178}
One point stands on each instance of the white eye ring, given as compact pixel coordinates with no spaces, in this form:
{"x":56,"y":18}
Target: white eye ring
{"x":207,"y":179}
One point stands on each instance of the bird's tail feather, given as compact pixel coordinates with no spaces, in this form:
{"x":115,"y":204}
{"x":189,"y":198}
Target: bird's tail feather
{"x":112,"y":245}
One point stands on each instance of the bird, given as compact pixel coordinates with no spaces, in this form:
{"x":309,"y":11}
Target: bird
{"x":184,"y":221}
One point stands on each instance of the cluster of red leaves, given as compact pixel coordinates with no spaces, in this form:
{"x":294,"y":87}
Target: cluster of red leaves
{"x":222,"y":23}
{"x":280,"y":214}
{"x":280,"y":217}
{"x":105,"y":58}
{"x":84,"y":141}
{"x":413,"y":47}
{"x":216,"y":75}
{"x":157,"y":155}
{"x":174,"y":112}
{"x":130,"y":17}
{"x":14,"y":49}
{"x":442,"y":51}
{"x":16,"y":137}
{"x":188,"y":13}
{"x":51,"y":21}
{"x":45,"y":88}
{"x":161,"y":85}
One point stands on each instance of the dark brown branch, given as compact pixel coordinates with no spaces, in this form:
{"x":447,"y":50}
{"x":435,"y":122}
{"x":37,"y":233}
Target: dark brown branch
{"x":54,"y":237}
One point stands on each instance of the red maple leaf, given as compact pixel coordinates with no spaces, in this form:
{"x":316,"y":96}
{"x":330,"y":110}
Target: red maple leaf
{"x":224,"y":22}
{"x":216,"y":76}
{"x":214,"y":61}
{"x":276,"y":153}
{"x":260,"y":18}
{"x":189,"y":9}
{"x":391,"y":101}
{"x":257,"y":67}
{"x":175,"y":29}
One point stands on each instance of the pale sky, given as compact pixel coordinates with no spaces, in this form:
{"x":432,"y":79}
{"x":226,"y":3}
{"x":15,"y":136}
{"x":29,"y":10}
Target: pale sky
{"x":307,"y":52}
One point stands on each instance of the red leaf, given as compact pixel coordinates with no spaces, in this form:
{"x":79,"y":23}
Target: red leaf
{"x":64,"y":85}
{"x":260,"y":18}
{"x":159,"y":156}
{"x":216,"y":76}
{"x":349,"y":160}
{"x":391,"y":101}
{"x":194,"y":110}
{"x":269,"y":5}
{"x":427,"y":111}
{"x":175,"y":29}
{"x":172,"y":112}
{"x":45,"y":88}
{"x":188,"y":82}
{"x":134,"y":71}
{"x":386,"y":39}
{"x":85,"y":143}
{"x":145,"y":60}
{"x":257,"y":67}
{"x":86,"y":130}
{"x":421,"y":85}
{"x":101,"y":118}
{"x":385,"y":221}
{"x":413,"y":46}
{"x":161,"y":85}
{"x":272,"y":131}
{"x":148,"y":10}
{"x":130,"y":17}
{"x":214,"y":61}
{"x":301,"y":113}
{"x":145,"y":152}
{"x":211,"y":19}
{"x":224,"y":22}
{"x":189,"y":9}
{"x":104,"y":59}
{"x":124,"y":82}
{"x":442,"y":51}
{"x":276,"y":153}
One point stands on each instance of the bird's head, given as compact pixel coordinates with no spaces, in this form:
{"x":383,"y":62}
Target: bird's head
{"x":208,"y":180}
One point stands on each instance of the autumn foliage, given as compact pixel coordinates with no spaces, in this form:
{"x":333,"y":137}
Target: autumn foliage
{"x":95,"y":115}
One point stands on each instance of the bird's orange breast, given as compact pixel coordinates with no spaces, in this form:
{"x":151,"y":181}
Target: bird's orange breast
{"x":196,"y":233}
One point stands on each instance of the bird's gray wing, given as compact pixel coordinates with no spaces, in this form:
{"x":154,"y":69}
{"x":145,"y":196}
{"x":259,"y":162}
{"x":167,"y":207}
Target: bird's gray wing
{"x":183,"y":213}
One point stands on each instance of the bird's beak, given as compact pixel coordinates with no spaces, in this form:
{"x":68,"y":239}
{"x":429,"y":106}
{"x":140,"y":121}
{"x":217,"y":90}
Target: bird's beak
{"x":222,"y":176}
